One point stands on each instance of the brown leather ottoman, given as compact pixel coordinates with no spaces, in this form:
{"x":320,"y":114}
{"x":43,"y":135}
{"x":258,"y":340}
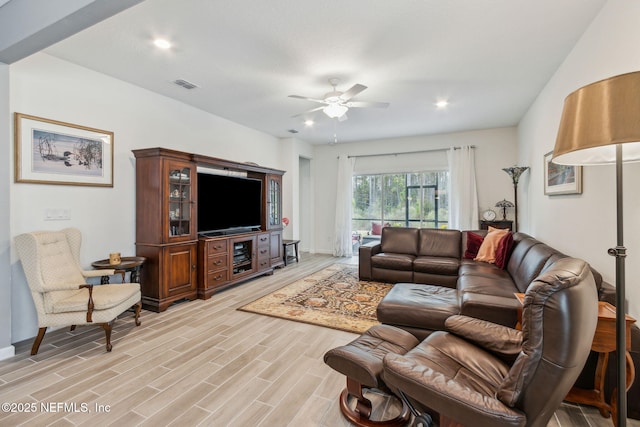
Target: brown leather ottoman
{"x":361,"y":362}
{"x":419,"y":309}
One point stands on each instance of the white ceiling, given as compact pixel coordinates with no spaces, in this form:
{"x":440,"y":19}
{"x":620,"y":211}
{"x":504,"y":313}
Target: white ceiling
{"x":489,"y":58}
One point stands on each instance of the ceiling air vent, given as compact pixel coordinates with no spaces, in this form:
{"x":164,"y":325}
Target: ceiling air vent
{"x":185,"y":84}
{"x":292,"y":131}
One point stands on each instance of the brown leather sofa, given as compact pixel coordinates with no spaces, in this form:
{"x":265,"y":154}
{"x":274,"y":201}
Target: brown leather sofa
{"x":434,"y":281}
{"x":412,"y":257}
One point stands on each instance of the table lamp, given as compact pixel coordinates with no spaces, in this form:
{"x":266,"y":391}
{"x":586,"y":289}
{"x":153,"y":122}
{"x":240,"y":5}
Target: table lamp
{"x":600,"y":124}
{"x":504,"y":204}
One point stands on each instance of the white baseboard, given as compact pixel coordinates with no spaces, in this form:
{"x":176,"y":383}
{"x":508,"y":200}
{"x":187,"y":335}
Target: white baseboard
{"x":7,"y":352}
{"x":322,"y":251}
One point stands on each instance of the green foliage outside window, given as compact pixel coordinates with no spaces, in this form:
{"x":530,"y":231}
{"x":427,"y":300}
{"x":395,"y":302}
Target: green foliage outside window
{"x":400,"y":200}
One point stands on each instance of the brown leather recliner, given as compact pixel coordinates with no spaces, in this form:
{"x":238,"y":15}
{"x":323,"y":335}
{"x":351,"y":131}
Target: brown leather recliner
{"x":468,"y":375}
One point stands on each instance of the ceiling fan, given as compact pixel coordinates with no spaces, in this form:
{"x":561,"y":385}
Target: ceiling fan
{"x":335,"y":104}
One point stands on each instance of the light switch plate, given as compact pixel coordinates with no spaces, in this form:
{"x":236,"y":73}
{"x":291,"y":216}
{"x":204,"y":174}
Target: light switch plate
{"x":57,"y":214}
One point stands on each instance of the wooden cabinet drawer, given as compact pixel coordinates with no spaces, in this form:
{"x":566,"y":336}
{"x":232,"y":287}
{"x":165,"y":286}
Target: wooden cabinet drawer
{"x":217,"y":278}
{"x":263,"y":240}
{"x":264,"y":263}
{"x":263,"y":253}
{"x":216,"y":247}
{"x":217,"y":262}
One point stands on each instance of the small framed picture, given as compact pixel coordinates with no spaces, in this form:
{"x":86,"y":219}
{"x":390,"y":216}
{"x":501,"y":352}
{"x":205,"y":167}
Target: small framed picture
{"x":561,"y":179}
{"x":52,"y":152}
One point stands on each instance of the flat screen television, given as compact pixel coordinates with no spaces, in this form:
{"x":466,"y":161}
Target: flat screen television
{"x":228,"y":203}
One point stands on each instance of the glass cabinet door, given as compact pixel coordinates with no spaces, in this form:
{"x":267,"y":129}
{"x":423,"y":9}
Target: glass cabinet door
{"x":275,"y":205}
{"x":179,"y":202}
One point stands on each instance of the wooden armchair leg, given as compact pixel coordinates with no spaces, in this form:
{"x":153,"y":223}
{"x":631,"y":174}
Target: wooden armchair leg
{"x":36,"y":343}
{"x":138,"y":307}
{"x":107,"y":332}
{"x":38,"y":340}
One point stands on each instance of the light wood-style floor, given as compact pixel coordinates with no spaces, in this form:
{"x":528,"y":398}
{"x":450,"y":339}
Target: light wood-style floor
{"x":198,"y":363}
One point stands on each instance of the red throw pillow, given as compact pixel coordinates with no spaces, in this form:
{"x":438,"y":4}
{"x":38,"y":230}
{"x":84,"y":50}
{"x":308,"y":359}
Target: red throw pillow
{"x":474,"y":241}
{"x":504,"y":250}
{"x":376,"y":228}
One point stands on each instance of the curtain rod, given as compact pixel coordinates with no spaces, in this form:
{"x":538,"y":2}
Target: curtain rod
{"x":408,"y":152}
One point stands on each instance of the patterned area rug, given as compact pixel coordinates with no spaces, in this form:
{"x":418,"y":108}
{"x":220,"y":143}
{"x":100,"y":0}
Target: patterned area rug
{"x":332,"y":297}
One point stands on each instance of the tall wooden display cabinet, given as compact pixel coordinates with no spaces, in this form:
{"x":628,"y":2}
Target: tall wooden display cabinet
{"x":165,"y":226}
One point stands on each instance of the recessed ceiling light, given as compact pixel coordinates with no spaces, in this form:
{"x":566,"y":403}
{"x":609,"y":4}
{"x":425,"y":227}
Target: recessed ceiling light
{"x":442,"y":104}
{"x":308,"y":122}
{"x":162,"y":43}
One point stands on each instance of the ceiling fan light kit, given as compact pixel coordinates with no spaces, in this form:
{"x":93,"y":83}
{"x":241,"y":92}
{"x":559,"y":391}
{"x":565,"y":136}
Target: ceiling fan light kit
{"x":335,"y":110}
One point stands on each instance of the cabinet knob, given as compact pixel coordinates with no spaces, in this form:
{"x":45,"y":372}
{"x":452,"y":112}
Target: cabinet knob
{"x":193,"y":267}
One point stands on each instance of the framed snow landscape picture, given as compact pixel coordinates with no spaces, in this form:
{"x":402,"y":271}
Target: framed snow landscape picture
{"x":52,"y":152}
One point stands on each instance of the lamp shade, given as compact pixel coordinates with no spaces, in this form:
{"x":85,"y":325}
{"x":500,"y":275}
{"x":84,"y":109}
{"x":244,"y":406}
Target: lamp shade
{"x":515,"y":172}
{"x":596,"y":118}
{"x":504,"y":203}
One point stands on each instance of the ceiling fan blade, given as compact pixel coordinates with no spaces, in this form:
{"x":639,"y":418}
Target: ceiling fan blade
{"x":322,"y":101}
{"x":308,"y":111}
{"x":355,"y":89}
{"x":364,"y":104}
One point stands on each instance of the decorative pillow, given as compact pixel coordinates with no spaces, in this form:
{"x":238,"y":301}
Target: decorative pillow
{"x":504,"y":250}
{"x":376,"y":229}
{"x":474,"y":241}
{"x":487,"y":251}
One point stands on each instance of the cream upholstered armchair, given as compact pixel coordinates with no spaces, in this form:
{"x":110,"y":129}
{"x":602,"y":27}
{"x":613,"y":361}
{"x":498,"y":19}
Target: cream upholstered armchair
{"x":62,"y":297}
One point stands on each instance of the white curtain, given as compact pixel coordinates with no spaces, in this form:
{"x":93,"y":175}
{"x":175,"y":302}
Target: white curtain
{"x":463,"y":197}
{"x":342,"y":241}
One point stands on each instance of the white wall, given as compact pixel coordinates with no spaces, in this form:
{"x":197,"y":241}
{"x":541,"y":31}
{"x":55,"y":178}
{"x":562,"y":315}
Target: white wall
{"x":291,"y":150}
{"x":305,"y":207}
{"x":495,"y":149}
{"x":44,"y":86}
{"x":584,"y":225}
{"x":6,"y":349}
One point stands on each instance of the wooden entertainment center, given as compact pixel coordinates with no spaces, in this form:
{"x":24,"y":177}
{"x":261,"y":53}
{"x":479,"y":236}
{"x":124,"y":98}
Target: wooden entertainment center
{"x":181,"y":264}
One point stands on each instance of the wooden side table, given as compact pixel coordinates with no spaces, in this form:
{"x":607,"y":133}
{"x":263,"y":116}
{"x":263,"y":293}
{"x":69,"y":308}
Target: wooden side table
{"x":484,"y":225}
{"x":604,"y":342}
{"x":285,"y":245}
{"x":132,"y":264}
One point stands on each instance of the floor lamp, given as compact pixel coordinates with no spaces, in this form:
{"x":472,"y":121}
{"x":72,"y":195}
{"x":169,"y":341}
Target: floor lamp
{"x":600,"y":124}
{"x":515,"y":172}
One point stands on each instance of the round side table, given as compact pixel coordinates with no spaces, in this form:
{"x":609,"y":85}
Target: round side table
{"x":132,"y":264}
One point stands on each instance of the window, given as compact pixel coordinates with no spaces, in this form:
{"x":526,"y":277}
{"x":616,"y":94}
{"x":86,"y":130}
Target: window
{"x":400,"y":200}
